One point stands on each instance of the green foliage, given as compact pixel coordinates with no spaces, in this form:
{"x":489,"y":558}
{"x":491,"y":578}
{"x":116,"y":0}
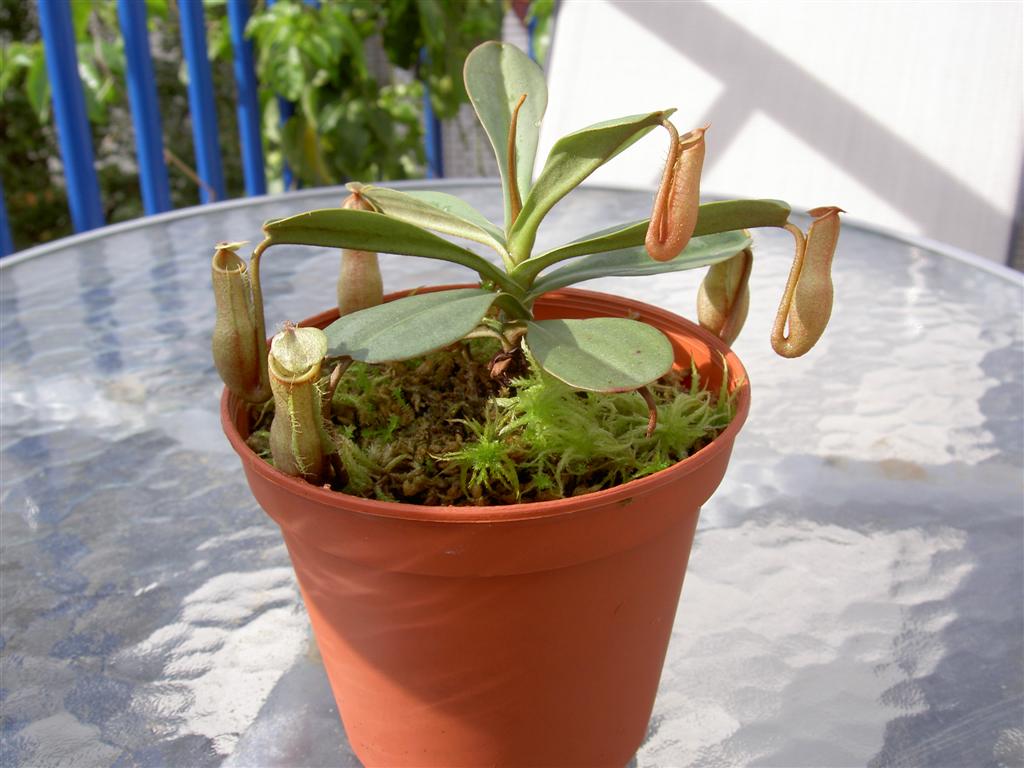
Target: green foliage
{"x":352,"y":119}
{"x":315,"y":57}
{"x":582,"y":442}
{"x":349,"y":121}
{"x":33,"y":183}
{"x":714,"y":218}
{"x":433,"y":37}
{"x":435,"y":211}
{"x":541,"y":13}
{"x":486,"y":461}
{"x":598,"y":404}
{"x":600,"y":354}
{"x":634,"y":262}
{"x":368,"y":231}
{"x":596,"y":354}
{"x":391,"y":422}
{"x":497,"y":76}
{"x":409,"y":327}
{"x":431,"y":431}
{"x":573,"y":159}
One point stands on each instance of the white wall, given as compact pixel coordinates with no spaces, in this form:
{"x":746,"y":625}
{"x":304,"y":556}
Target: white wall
{"x":906,"y":114}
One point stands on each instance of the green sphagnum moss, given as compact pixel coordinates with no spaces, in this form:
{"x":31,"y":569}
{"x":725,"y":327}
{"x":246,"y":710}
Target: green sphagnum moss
{"x":438,"y":430}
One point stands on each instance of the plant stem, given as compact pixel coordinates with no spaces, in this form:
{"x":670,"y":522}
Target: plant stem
{"x":513,"y":307}
{"x":652,"y":408}
{"x":332,"y":384}
{"x":257,"y":303}
{"x":486,"y":332}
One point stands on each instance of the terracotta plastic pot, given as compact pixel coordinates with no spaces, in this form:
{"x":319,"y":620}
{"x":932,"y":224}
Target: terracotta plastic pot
{"x":517,"y":635}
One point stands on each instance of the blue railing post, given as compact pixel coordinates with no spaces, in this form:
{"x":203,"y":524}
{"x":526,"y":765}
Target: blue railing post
{"x":69,"y":110}
{"x":432,"y":145}
{"x":248,"y":100}
{"x":200,"y":100}
{"x":285,"y":109}
{"x":6,"y":242}
{"x":149,"y":137}
{"x":432,"y":138}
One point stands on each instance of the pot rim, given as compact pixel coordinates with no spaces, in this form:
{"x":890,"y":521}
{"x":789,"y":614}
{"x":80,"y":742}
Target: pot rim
{"x":623,"y":494}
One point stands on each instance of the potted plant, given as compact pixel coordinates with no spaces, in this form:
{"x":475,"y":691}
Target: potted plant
{"x":489,"y":492}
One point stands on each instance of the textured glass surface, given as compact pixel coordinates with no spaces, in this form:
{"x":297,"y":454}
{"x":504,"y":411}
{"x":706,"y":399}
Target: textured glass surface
{"x":855,"y":594}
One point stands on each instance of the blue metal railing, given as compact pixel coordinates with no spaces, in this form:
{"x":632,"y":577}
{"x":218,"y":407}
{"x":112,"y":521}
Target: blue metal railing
{"x":432,"y":146}
{"x":200,"y":101}
{"x":248,"y":100}
{"x":75,"y":135}
{"x":285,"y":109}
{"x":432,"y":135}
{"x":6,"y":244}
{"x":73,"y":131}
{"x":149,"y":136}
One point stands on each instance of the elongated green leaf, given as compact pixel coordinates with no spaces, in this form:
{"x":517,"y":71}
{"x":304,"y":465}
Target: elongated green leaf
{"x":301,"y":147}
{"x":408,"y":327}
{"x":600,"y":354}
{"x":610,"y":239}
{"x":720,"y":216}
{"x":457,"y":207}
{"x":37,"y":88}
{"x":725,"y":215}
{"x":80,"y":13}
{"x":626,"y":262}
{"x":16,"y":58}
{"x":572,"y":159}
{"x":496,"y":75}
{"x":437,"y":211}
{"x":369,"y":231}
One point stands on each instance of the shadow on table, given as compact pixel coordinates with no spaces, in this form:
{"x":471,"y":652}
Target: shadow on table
{"x":298,"y":724}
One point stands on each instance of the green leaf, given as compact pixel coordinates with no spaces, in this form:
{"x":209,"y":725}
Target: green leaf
{"x":17,"y":58}
{"x":80,"y":13}
{"x":600,"y":354}
{"x":627,"y":262}
{"x":368,"y":231}
{"x":721,"y":216}
{"x":156,"y":8}
{"x":610,"y":239}
{"x":301,"y":147}
{"x":724,"y":215}
{"x":37,"y":89}
{"x":98,"y":87}
{"x":539,"y":18}
{"x":496,"y":75}
{"x":572,"y":159}
{"x":292,"y":74}
{"x":432,"y":21}
{"x":408,"y":327}
{"x":437,"y":211}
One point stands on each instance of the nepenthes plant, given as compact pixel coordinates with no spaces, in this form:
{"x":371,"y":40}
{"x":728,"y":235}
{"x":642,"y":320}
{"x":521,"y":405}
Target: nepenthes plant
{"x":301,"y":370}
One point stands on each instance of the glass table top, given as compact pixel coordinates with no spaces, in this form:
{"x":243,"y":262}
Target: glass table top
{"x":855,"y":594}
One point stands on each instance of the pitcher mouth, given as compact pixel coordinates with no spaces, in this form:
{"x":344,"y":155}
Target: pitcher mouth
{"x":234,"y":424}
